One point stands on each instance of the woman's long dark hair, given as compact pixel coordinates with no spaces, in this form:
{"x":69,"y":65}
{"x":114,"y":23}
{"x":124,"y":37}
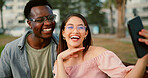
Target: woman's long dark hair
{"x":63,"y":44}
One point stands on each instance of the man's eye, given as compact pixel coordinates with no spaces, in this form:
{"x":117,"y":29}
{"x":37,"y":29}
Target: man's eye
{"x":39,"y":20}
{"x":51,"y":18}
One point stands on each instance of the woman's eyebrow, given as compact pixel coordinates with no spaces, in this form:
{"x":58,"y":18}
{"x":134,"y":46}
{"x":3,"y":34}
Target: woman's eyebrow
{"x":70,"y":24}
{"x":80,"y":24}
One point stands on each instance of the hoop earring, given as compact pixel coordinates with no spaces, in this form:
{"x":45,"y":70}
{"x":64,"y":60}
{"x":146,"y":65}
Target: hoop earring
{"x":64,"y":38}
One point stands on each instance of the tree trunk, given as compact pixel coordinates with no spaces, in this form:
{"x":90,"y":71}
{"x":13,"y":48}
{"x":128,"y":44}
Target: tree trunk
{"x":111,"y":19}
{"x":2,"y":25}
{"x":121,"y":27}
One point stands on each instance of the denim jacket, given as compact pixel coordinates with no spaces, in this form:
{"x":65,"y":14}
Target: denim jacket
{"x":14,"y":60}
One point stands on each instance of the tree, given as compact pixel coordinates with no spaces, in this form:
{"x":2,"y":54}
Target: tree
{"x":109,"y":4}
{"x":2,"y":2}
{"x":65,"y":7}
{"x":94,"y":14}
{"x":121,"y":20}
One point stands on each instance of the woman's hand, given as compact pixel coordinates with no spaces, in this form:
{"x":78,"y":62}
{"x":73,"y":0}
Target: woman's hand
{"x":144,"y":59}
{"x":143,"y":33}
{"x":139,"y":69}
{"x":69,"y":53}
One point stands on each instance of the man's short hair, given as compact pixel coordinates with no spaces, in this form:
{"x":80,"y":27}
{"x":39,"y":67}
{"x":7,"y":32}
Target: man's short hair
{"x":33,"y":3}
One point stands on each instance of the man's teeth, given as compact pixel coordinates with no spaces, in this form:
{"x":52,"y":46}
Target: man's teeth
{"x":75,"y":37}
{"x":47,"y":29}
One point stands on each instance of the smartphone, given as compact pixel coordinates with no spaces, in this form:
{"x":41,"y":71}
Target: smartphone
{"x":134,"y":26}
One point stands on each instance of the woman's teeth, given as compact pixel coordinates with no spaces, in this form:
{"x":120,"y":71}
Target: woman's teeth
{"x":74,"y":37}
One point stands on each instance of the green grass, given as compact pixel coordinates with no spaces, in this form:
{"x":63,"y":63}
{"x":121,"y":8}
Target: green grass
{"x":4,"y":39}
{"x":146,"y":27}
{"x":124,"y":50}
{"x":4,"y":36}
{"x":1,"y":48}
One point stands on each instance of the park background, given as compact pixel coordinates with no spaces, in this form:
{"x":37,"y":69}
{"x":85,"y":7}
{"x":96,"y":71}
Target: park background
{"x":107,"y":20}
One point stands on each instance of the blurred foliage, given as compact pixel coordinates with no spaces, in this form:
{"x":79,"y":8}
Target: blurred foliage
{"x":109,"y":3}
{"x":92,"y":9}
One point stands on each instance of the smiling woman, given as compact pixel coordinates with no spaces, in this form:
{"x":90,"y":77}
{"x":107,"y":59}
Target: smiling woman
{"x":77,"y":58}
{"x":74,"y":32}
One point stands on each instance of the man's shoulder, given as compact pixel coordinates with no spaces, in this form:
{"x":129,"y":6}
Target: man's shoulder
{"x":11,"y":47}
{"x":55,"y":38}
{"x":13,"y":43}
{"x":19,"y":41}
{"x":22,"y":39}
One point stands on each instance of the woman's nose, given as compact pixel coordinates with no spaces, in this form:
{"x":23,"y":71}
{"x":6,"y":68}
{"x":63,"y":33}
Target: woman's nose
{"x":75,"y":30}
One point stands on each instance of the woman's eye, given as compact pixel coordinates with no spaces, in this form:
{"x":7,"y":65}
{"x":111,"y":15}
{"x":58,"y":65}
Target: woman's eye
{"x":80,"y":27}
{"x":70,"y":27}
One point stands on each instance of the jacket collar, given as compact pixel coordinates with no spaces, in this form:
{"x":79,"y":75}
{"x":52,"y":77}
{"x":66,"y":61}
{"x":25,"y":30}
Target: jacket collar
{"x":22,"y":41}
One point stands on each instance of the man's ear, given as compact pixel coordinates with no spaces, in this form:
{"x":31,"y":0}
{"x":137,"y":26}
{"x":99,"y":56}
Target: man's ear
{"x":29,"y":23}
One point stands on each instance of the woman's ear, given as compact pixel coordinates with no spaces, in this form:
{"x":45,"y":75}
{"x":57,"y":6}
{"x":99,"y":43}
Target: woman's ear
{"x":63,"y":33}
{"x":86,"y":33}
{"x":29,"y":23}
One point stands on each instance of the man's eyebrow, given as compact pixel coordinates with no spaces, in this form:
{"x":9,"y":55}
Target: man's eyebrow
{"x":41,"y":16}
{"x":44,"y":16}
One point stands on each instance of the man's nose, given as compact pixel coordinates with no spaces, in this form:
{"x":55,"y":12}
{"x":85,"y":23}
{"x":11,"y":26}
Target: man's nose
{"x":47,"y":22}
